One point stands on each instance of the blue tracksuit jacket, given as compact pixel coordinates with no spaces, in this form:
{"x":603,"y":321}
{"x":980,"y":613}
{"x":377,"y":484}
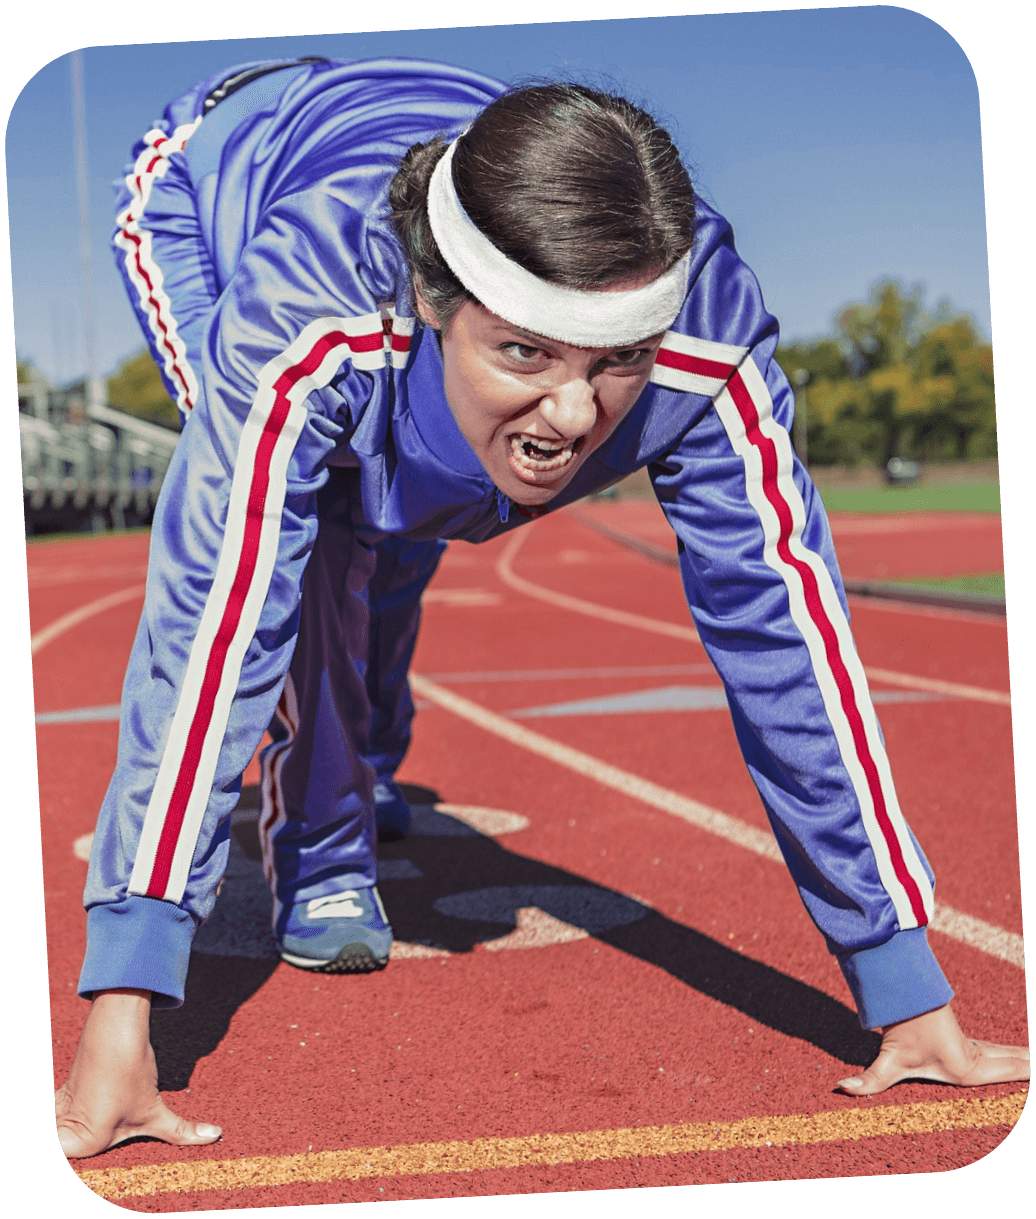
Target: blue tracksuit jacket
{"x":253,"y":233}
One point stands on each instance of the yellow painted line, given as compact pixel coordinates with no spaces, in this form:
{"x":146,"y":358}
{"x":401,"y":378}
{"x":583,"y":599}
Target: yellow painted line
{"x":508,"y":576}
{"x":67,"y":621}
{"x":975,"y":932}
{"x":479,"y":1155}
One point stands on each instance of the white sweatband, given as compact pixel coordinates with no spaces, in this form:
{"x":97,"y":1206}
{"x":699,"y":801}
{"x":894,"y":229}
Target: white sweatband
{"x":568,"y":315}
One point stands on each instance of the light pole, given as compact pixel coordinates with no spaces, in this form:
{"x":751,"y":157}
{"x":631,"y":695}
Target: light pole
{"x":94,"y":393}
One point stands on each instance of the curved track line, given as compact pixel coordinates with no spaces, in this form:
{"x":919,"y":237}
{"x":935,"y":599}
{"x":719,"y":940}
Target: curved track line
{"x":576,"y":604}
{"x":975,"y":932}
{"x":67,"y":621}
{"x":479,"y":1155}
{"x":507,"y":575}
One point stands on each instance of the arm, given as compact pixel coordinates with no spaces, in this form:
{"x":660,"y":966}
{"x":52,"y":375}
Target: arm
{"x":281,"y":377}
{"x":763,"y":586}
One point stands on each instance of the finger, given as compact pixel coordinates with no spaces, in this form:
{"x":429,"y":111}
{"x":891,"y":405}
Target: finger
{"x":77,"y":1141}
{"x":995,"y":1069}
{"x":879,"y":1076}
{"x":168,"y":1126}
{"x":1004,"y":1051}
{"x":994,"y":1064}
{"x":887,"y":1069}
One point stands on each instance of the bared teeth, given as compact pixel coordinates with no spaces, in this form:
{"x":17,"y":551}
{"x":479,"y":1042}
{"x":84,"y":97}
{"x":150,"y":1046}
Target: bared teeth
{"x":534,"y":453}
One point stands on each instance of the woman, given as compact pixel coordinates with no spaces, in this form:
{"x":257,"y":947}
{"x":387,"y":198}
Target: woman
{"x":386,"y":329}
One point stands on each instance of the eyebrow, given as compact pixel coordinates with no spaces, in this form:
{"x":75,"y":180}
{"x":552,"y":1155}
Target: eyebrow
{"x":540,"y":340}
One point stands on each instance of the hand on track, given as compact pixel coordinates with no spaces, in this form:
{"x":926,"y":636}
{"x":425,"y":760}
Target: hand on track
{"x":932,"y":1046}
{"x":111,"y":1093}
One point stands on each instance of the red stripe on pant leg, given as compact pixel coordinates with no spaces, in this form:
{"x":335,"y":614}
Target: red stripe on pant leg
{"x":768,"y":453}
{"x":180,"y":797}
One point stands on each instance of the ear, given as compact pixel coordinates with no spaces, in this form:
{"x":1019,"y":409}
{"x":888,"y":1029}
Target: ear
{"x":424,"y":310}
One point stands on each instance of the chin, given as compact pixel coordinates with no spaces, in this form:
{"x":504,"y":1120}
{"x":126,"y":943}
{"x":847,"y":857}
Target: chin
{"x":530,"y":497}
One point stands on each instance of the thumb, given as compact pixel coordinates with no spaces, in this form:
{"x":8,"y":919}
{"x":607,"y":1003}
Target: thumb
{"x":76,"y":1145}
{"x":172,"y":1128}
{"x":881,"y":1074}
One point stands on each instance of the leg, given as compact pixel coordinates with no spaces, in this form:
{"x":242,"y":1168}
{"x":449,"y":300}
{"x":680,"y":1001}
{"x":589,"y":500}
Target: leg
{"x":317,"y":818}
{"x":400,"y":577}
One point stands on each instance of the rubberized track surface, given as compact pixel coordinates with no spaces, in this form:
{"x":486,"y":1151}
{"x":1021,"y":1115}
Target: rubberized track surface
{"x":595,"y":986}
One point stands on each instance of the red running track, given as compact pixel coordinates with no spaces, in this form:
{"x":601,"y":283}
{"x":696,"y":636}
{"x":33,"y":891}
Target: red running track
{"x":702,"y":996}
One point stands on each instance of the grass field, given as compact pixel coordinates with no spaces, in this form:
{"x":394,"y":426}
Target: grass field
{"x":992,"y":584}
{"x":932,"y":497}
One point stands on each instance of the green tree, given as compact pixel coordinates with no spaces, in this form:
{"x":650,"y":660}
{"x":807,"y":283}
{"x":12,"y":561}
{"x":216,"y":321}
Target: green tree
{"x":954,"y":383}
{"x":895,"y":380}
{"x":137,"y":388}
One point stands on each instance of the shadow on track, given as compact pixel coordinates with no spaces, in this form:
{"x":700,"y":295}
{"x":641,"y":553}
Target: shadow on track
{"x":451,"y":886}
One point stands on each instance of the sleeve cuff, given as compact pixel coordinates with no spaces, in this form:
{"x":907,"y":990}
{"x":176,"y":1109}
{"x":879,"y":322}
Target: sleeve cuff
{"x":139,"y":942}
{"x":896,"y":980}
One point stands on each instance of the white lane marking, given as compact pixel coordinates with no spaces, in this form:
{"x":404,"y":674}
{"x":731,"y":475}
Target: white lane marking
{"x":67,"y":621}
{"x":80,"y":715}
{"x":462,"y":597}
{"x":578,"y":605}
{"x":535,"y":929}
{"x":537,"y":591}
{"x":491,"y":821}
{"x":517,"y":675}
{"x":940,"y":687}
{"x":677,"y":699}
{"x":979,"y":934}
{"x":975,"y":932}
{"x":691,"y":811}
{"x":402,"y":951}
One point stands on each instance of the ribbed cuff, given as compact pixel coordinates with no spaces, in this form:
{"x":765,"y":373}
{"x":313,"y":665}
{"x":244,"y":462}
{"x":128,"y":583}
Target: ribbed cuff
{"x":895,"y":980}
{"x":139,"y":942}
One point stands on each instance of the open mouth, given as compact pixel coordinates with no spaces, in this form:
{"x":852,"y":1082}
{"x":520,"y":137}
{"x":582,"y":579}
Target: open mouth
{"x":531,"y":455}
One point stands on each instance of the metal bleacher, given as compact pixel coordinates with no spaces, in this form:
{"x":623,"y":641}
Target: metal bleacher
{"x":85,"y":466}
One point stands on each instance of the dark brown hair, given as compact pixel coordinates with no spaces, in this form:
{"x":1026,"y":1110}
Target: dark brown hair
{"x":580,"y":187}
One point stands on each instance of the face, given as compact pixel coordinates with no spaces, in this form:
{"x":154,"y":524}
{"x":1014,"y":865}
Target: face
{"x":534,"y":409}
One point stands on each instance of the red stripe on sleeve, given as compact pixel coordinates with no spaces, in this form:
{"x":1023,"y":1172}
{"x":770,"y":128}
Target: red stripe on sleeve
{"x":174,"y":818}
{"x":768,"y":453}
{"x":694,"y":364}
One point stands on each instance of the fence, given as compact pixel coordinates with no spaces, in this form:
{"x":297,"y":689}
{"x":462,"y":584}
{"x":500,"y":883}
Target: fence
{"x":86,"y":466}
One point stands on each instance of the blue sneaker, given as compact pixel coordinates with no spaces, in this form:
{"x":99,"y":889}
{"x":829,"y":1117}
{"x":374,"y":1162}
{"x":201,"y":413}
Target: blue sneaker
{"x":339,"y":933}
{"x":391,"y":811}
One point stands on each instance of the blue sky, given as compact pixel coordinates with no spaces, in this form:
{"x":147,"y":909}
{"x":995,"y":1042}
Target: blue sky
{"x":843,"y":144}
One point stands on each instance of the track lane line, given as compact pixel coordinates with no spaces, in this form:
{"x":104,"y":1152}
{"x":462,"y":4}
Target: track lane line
{"x":480,"y":1155}
{"x":508,"y":576}
{"x":67,"y":621}
{"x":975,"y":932}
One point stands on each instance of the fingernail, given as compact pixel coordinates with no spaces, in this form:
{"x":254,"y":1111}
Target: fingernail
{"x":854,"y":1082}
{"x":208,"y":1132}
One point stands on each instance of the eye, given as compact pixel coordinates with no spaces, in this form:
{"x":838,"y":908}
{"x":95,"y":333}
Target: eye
{"x":630,"y":358}
{"x":522,"y":353}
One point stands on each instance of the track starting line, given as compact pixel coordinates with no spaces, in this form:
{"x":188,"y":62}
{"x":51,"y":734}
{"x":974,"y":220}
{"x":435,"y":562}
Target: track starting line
{"x":480,"y":1155}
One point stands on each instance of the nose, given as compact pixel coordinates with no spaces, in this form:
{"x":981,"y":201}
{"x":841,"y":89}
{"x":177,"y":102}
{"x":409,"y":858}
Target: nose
{"x":570,"y":408}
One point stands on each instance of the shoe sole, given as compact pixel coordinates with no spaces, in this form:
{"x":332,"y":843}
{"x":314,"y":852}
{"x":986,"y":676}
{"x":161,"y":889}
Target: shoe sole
{"x":353,"y":959}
